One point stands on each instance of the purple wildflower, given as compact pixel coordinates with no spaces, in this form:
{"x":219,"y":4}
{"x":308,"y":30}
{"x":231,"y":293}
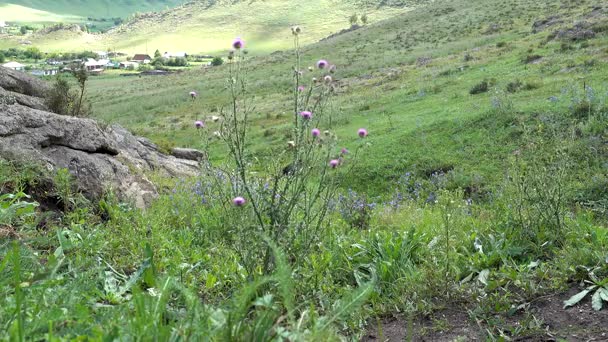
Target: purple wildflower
{"x":334,"y":163}
{"x":362,"y":132}
{"x":199,"y":124}
{"x":322,"y":64}
{"x":301,"y":88}
{"x":315,"y":132}
{"x":238,"y":43}
{"x":344,"y":150}
{"x":239,"y":201}
{"x":306,"y":115}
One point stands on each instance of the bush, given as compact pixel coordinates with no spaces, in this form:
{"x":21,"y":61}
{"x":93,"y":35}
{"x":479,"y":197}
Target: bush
{"x":513,"y":87}
{"x":217,"y":61}
{"x":479,"y":88}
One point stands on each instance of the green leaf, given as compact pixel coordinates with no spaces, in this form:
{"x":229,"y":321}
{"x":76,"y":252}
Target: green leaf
{"x":603,"y":293}
{"x":348,"y":304}
{"x":483,"y":276}
{"x":596,"y":300}
{"x":578,"y":297}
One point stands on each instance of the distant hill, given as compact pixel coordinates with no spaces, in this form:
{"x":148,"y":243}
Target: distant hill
{"x":91,"y":8}
{"x":205,"y":26}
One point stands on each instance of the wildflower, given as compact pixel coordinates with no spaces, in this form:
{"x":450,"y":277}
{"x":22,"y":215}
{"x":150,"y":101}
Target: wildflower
{"x":327,"y":79}
{"x":344,"y":150}
{"x":215,"y":118}
{"x":301,"y":88}
{"x":332,"y":68}
{"x":327,"y":132}
{"x":314,"y":79}
{"x":334,"y":163}
{"x":315,"y":132}
{"x":239,"y":201}
{"x":306,"y":115}
{"x":291,"y":144}
{"x":199,"y":124}
{"x":322,"y":64}
{"x":296,"y":30}
{"x":362,"y":132}
{"x":193,"y":94}
{"x":310,"y":68}
{"x":238,"y":43}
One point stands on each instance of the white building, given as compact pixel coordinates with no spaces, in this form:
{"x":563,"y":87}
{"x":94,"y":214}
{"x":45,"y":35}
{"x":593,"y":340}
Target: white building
{"x":175,"y":54}
{"x":14,"y":65}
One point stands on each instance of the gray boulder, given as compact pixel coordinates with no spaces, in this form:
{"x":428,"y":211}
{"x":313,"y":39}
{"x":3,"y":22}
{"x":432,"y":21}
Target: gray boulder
{"x":98,"y":157}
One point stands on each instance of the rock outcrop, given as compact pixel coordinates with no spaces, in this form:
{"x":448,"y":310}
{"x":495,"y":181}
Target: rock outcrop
{"x":98,"y":157}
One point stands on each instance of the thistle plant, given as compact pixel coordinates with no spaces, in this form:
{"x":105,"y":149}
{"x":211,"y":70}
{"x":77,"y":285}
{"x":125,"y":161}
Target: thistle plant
{"x":286,"y":198}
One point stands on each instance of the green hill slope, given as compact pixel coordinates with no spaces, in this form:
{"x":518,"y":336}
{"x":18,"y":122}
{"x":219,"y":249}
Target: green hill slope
{"x":409,"y":80}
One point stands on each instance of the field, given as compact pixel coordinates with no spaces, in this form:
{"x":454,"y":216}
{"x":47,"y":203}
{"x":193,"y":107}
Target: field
{"x":475,"y":208}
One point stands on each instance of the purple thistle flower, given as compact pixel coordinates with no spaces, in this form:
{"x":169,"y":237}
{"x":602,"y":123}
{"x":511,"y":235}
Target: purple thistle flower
{"x":322,"y":64}
{"x":334,"y":163}
{"x":306,"y":115}
{"x":239,"y":201}
{"x":344,"y":150}
{"x":238,"y":43}
{"x":301,"y":88}
{"x":193,"y":94}
{"x":199,"y":124}
{"x":315,"y":132}
{"x":362,"y":132}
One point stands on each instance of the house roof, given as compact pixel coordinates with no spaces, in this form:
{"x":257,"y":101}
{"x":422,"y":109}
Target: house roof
{"x":13,"y":65}
{"x":141,"y":57}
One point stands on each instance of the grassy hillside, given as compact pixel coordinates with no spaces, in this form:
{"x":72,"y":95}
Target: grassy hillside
{"x":204,"y":27}
{"x":479,"y":212}
{"x":407,"y":78}
{"x":81,"y":8}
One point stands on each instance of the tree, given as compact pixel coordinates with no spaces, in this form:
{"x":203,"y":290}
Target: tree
{"x":23,"y":30}
{"x":354,"y":19}
{"x":33,"y":53}
{"x":81,"y":76}
{"x":157,"y":54}
{"x":2,"y":58}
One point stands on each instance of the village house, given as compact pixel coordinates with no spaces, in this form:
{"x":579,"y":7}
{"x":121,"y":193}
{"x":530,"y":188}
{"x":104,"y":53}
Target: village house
{"x":141,"y":59}
{"x":3,"y":26}
{"x":46,"y":72}
{"x":96,"y":66}
{"x":14,"y":65}
{"x":129,"y":65}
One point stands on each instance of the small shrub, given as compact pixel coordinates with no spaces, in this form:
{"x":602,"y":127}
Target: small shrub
{"x":531,"y":58}
{"x":531,"y":85}
{"x":217,"y":61}
{"x":479,"y":88}
{"x":501,"y":44}
{"x":514,"y":86}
